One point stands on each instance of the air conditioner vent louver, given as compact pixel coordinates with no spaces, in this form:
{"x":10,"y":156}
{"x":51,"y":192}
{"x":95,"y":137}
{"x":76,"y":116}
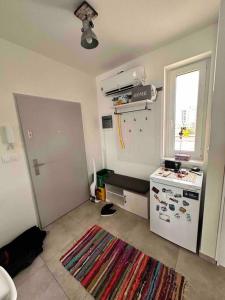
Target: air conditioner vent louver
{"x":116,"y":91}
{"x":124,"y":81}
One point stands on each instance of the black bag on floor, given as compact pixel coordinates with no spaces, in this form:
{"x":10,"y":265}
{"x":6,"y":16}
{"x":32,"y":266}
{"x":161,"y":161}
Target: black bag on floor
{"x":21,"y":252}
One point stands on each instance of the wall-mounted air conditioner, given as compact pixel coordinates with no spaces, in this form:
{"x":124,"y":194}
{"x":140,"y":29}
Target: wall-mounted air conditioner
{"x":123,"y":81}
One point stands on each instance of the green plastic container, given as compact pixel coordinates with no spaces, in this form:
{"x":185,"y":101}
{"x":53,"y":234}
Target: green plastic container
{"x":102,"y":175}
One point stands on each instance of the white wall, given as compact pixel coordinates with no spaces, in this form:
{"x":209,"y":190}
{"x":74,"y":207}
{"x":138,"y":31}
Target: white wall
{"x":154,"y":63}
{"x":216,"y":163}
{"x":24,"y":71}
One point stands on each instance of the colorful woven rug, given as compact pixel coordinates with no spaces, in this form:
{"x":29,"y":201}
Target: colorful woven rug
{"x":109,"y":268}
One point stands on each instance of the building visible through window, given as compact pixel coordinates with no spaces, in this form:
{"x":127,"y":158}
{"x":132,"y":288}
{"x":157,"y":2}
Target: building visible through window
{"x":186,"y":109}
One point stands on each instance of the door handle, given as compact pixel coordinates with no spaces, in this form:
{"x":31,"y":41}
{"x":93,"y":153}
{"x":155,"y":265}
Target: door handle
{"x":37,"y":165}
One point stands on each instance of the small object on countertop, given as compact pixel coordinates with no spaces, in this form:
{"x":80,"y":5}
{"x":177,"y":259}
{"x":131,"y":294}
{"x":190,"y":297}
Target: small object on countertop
{"x":184,"y":171}
{"x":195,"y":169}
{"x":172,"y":165}
{"x":199,"y":174}
{"x":182,"y":157}
{"x":164,"y":203}
{"x":180,"y":175}
{"x":166,"y":174}
{"x":157,"y":207}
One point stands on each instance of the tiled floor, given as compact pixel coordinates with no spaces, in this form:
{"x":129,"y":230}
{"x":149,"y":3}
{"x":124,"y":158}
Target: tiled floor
{"x":46,"y":279}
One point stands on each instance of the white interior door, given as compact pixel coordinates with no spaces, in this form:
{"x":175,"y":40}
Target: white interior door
{"x":54,"y":142}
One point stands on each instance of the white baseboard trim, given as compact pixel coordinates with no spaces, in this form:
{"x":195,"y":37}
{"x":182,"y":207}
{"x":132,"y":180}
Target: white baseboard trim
{"x":208,"y":258}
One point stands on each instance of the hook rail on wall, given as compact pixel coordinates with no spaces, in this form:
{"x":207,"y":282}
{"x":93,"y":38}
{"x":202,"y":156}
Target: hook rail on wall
{"x":129,"y":111}
{"x":135,"y":103}
{"x":159,"y":89}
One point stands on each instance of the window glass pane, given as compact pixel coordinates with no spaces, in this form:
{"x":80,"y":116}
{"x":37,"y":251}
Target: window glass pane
{"x":187,"y":86}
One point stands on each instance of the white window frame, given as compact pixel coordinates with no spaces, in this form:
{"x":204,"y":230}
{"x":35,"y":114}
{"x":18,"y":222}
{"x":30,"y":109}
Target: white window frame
{"x":171,"y":72}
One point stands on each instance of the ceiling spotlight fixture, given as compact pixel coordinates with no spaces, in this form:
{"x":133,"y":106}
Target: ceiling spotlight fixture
{"x":86,"y":13}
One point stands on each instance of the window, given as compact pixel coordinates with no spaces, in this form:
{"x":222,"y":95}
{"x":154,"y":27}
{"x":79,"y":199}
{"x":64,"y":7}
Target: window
{"x":186,"y":109}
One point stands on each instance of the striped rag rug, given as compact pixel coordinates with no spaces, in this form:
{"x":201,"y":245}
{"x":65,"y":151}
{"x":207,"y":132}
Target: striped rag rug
{"x":109,"y":268}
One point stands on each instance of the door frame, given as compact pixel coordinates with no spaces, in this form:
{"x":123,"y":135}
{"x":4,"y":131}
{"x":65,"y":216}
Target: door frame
{"x":27,"y":160}
{"x":220,"y":225}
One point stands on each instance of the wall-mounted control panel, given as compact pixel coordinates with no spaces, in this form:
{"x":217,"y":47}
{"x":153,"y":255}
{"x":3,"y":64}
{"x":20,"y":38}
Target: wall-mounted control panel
{"x":107,"y":122}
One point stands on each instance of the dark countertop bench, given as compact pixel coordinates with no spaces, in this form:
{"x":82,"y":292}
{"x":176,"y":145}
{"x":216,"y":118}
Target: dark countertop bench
{"x":132,"y":184}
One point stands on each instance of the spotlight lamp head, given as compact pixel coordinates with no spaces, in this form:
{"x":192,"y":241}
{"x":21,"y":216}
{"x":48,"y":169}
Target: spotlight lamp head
{"x":86,"y":13}
{"x":88,"y":38}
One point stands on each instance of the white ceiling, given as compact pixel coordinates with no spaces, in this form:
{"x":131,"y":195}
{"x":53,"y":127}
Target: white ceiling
{"x":125,"y":28}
